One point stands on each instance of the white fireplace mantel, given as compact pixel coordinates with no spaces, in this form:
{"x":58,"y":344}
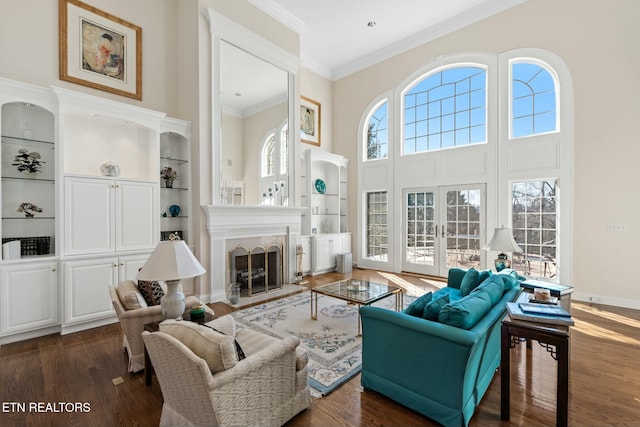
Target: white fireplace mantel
{"x":225,"y":222}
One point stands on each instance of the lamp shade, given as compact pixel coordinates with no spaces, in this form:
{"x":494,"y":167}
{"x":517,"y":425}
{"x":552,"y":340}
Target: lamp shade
{"x":171,"y":260}
{"x":502,"y":241}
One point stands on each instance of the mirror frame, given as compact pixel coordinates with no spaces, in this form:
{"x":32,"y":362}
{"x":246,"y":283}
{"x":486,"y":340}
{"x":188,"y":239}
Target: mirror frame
{"x":223,"y":28}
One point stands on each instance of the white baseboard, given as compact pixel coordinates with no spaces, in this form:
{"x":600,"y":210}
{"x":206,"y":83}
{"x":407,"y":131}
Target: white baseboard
{"x":605,"y":300}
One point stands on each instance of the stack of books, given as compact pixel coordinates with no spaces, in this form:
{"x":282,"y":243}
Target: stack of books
{"x":540,"y":313}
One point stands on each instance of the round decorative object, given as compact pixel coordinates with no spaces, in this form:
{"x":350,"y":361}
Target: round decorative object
{"x":174,"y":210}
{"x":110,"y":169}
{"x":321,"y":187}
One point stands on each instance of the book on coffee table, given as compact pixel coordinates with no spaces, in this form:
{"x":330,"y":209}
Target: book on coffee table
{"x":516,"y":313}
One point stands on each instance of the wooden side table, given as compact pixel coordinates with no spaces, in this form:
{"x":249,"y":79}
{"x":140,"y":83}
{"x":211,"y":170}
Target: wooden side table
{"x":555,"y":338}
{"x":155,"y":327}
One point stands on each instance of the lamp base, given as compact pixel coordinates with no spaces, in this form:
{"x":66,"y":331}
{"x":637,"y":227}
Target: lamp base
{"x":173,"y":302}
{"x":502,"y":262}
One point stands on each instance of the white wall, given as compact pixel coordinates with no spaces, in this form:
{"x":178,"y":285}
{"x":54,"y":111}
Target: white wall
{"x":598,"y":42}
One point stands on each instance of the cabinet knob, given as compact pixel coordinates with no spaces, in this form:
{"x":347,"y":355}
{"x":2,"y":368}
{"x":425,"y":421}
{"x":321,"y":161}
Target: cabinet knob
{"x":115,"y":265}
{"x":53,"y":269}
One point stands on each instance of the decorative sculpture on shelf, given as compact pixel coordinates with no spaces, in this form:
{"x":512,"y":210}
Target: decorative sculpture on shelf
{"x":29,"y":209}
{"x":28,"y":162}
{"x":169,"y":175}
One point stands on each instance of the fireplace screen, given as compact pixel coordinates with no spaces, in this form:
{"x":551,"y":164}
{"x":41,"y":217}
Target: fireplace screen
{"x":257,"y":270}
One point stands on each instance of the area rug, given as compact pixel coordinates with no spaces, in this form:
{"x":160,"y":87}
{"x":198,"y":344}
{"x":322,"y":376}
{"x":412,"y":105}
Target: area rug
{"x":335,"y":354}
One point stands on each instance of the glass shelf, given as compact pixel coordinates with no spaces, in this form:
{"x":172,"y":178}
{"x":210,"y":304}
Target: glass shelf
{"x":23,"y":218}
{"x":174,"y":188}
{"x":16,"y":140}
{"x":174,"y":217}
{"x":171,"y":159}
{"x":24,"y":178}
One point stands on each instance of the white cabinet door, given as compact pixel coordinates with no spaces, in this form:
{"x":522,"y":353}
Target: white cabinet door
{"x":29,"y":297}
{"x":104,"y":215}
{"x":89,"y":221}
{"x":323,"y":255}
{"x":128,"y":266}
{"x":86,"y":289}
{"x":137,"y":223}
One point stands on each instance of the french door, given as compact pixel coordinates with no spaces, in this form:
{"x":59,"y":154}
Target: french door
{"x":443,"y":228}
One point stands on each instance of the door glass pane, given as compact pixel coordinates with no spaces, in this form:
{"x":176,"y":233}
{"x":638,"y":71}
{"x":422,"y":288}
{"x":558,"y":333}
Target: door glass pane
{"x":463,"y":228}
{"x":420,"y":228}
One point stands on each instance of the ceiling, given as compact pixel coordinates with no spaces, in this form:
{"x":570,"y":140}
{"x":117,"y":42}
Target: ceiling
{"x":336,"y":40}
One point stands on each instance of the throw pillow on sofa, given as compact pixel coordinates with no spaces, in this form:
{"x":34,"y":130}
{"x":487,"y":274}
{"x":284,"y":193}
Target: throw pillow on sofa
{"x":417,"y":307}
{"x":432,"y":309}
{"x":467,"y":311}
{"x":472,"y":279}
{"x":216,"y":349}
{"x":509,"y":278}
{"x":151,"y":291}
{"x":494,"y":286}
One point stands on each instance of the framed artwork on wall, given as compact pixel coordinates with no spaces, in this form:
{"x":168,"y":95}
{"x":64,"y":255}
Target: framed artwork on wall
{"x":99,"y":50}
{"x":309,"y":121}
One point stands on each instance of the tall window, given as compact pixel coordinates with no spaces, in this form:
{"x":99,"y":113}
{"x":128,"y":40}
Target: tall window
{"x":378,"y":134}
{"x":533,"y":100}
{"x":269,"y":156}
{"x":377,"y":237}
{"x":420,"y":228}
{"x":534,"y":223}
{"x":446,"y":109}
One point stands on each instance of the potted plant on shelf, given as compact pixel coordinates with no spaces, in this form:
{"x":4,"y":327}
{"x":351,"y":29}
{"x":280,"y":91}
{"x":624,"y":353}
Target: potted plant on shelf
{"x":169,"y":175}
{"x":28,"y":162}
{"x":29,"y":209}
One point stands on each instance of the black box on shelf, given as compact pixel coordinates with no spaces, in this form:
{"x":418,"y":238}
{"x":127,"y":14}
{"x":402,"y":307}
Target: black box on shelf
{"x":40,"y":245}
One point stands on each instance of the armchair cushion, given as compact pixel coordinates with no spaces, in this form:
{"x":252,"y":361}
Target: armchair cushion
{"x":151,"y":291}
{"x":216,"y":349}
{"x":130,"y":296}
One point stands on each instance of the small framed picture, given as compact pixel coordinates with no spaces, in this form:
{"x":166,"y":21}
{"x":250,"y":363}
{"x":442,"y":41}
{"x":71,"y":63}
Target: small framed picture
{"x":99,"y":50}
{"x":310,"y":116}
{"x":314,"y":230}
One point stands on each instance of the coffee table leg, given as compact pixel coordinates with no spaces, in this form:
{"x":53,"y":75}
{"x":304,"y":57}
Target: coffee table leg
{"x":359,"y":321}
{"x":505,"y":374}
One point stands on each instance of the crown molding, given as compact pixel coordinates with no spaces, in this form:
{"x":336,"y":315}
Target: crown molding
{"x":280,"y":14}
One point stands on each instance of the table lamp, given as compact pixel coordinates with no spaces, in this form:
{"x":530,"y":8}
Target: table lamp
{"x":502,"y":242}
{"x":171,"y":261}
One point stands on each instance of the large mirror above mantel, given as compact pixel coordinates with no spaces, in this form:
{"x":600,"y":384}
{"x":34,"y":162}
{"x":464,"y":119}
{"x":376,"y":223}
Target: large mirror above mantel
{"x":253,"y":103}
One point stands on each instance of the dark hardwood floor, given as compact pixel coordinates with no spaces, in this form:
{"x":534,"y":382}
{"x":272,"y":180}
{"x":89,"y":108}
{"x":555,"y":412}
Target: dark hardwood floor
{"x":42,"y":379}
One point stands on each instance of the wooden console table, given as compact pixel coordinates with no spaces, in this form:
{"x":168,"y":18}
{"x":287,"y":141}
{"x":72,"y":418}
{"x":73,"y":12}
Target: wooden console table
{"x":555,"y":338}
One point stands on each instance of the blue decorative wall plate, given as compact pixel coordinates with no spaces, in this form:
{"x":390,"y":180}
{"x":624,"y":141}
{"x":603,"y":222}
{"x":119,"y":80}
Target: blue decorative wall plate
{"x":320,"y":186}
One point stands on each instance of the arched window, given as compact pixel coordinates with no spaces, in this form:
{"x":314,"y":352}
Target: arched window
{"x":446,"y":109}
{"x":533,"y":99}
{"x":378,"y":134}
{"x":269,"y":156}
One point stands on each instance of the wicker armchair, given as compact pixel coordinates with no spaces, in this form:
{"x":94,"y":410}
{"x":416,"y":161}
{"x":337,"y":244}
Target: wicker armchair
{"x":132,"y":321}
{"x":267,"y":388}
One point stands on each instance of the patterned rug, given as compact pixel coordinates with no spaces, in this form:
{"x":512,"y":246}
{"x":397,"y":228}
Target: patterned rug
{"x":334,"y":347}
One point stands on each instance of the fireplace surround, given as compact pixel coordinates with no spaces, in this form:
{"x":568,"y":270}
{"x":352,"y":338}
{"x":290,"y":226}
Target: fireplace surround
{"x":254,"y":226}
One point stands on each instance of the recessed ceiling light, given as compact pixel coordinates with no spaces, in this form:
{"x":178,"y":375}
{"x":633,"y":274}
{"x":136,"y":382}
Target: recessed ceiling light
{"x":371,"y":24}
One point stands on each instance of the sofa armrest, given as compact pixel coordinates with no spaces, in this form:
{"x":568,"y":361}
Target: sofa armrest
{"x":280,"y":355}
{"x":415,"y":353}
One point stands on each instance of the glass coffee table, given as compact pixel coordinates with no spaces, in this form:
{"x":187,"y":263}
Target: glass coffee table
{"x":359,"y":292}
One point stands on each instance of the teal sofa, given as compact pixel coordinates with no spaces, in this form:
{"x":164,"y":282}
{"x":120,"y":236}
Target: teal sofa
{"x":439,"y":370}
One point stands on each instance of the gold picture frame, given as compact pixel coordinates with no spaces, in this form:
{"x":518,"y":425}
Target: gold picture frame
{"x":99,"y":50}
{"x":310,"y":121}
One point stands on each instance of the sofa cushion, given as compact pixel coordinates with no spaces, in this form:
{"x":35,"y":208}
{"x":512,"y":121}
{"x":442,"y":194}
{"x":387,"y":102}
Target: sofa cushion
{"x":467,"y":311}
{"x":130,"y":296}
{"x":472,"y":279}
{"x":216,"y":349}
{"x":494,"y":286}
{"x":151,"y":291}
{"x":417,"y":307}
{"x":454,"y":294}
{"x":510,"y":278}
{"x":224,"y":324}
{"x":432,"y":309}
